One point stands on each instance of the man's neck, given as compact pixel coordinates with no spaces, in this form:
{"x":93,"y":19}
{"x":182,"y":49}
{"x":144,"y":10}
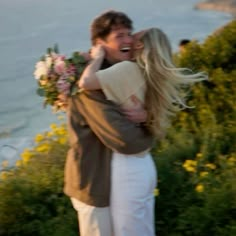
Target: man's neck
{"x":106,"y":64}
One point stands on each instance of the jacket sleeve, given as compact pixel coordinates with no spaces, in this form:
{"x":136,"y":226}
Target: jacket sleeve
{"x":108,"y":123}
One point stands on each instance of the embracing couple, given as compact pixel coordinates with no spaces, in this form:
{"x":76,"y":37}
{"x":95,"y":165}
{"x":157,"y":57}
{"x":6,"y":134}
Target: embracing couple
{"x":130,"y":90}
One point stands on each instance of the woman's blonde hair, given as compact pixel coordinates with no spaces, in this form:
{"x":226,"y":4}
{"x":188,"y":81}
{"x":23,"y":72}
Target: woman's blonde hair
{"x":163,"y":79}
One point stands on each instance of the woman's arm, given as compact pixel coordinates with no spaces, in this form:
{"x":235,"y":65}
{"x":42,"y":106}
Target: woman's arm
{"x":117,"y":74}
{"x":88,"y":79}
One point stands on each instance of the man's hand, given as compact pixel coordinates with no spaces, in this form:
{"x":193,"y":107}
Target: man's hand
{"x":137,"y":114}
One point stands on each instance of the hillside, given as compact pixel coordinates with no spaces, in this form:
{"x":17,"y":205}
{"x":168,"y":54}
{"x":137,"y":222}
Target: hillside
{"x":218,"y":5}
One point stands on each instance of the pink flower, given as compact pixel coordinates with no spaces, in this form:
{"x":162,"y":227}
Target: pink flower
{"x":63,"y":86}
{"x":60,"y":67}
{"x":86,"y":56}
{"x":71,"y":70}
{"x":59,"y":64}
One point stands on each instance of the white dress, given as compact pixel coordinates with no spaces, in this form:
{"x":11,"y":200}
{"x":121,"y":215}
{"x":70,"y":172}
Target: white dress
{"x":133,"y":177}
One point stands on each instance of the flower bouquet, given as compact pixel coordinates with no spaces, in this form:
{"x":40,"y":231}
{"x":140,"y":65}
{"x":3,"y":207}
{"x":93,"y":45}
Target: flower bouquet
{"x":57,"y":76}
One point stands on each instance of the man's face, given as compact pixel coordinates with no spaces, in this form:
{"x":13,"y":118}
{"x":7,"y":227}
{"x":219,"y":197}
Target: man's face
{"x":118,"y":45}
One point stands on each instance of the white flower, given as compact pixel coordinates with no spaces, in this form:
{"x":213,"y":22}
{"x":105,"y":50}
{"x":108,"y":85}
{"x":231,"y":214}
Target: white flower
{"x":48,"y":61}
{"x":40,"y":69}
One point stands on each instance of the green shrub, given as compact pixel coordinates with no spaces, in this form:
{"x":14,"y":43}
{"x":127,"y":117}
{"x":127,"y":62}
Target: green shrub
{"x":217,"y":51}
{"x":32,"y":200}
{"x":197,"y":161}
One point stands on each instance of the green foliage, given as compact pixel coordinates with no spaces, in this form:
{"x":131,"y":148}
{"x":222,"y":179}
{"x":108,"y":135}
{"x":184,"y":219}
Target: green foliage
{"x":176,"y":191}
{"x":32,"y":200}
{"x":218,"y":51}
{"x":214,"y":213}
{"x":197,"y":162}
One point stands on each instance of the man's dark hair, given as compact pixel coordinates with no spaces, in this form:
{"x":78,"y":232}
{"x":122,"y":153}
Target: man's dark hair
{"x":104,"y":23}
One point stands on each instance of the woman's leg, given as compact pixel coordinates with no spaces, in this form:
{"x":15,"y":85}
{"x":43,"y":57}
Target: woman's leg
{"x":132,"y":198}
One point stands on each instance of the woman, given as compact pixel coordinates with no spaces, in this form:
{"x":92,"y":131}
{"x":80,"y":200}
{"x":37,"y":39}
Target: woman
{"x":154,"y":80}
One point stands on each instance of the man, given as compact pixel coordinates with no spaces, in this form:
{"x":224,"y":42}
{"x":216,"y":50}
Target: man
{"x":182,"y":45}
{"x":96,"y":127}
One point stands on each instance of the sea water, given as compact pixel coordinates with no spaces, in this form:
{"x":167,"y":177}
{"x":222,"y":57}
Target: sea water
{"x":28,"y":27}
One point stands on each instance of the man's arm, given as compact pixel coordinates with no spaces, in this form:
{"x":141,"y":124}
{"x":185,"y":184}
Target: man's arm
{"x":90,"y":81}
{"x":138,"y":113}
{"x":109,"y":124}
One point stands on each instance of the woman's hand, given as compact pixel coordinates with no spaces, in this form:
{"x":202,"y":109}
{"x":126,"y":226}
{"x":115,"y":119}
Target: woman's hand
{"x":97,"y":51}
{"x":88,"y":80}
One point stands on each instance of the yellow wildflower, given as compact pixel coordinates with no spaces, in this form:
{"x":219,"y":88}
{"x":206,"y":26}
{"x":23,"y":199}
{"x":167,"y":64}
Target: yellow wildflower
{"x":156,"y":192}
{"x":43,"y":148}
{"x":203,"y":174}
{"x":18,"y":163}
{"x":199,"y":155}
{"x":26,"y":155}
{"x":211,"y":166}
{"x":62,"y":140}
{"x":60,"y":131}
{"x":190,"y":165}
{"x":38,"y":138}
{"x":50,"y":134}
{"x":199,"y":188}
{"x":53,"y":126}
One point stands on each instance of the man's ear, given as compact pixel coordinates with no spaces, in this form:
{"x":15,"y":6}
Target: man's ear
{"x":100,"y":41}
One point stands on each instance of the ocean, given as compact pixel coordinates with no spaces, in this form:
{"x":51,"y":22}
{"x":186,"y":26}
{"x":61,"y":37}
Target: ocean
{"x":28,"y":27}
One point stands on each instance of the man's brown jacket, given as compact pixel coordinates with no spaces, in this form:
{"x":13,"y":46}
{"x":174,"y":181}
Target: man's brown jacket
{"x":97,"y":127}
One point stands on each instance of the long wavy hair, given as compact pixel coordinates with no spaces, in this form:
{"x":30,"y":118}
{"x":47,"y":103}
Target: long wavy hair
{"x":165,"y":82}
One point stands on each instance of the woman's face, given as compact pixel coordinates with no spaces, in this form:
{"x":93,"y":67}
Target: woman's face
{"x":137,"y":44}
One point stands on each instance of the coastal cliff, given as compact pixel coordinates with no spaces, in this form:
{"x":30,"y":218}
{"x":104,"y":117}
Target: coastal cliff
{"x":218,"y":5}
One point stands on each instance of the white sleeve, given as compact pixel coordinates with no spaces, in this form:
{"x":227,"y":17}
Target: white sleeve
{"x":120,"y":81}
